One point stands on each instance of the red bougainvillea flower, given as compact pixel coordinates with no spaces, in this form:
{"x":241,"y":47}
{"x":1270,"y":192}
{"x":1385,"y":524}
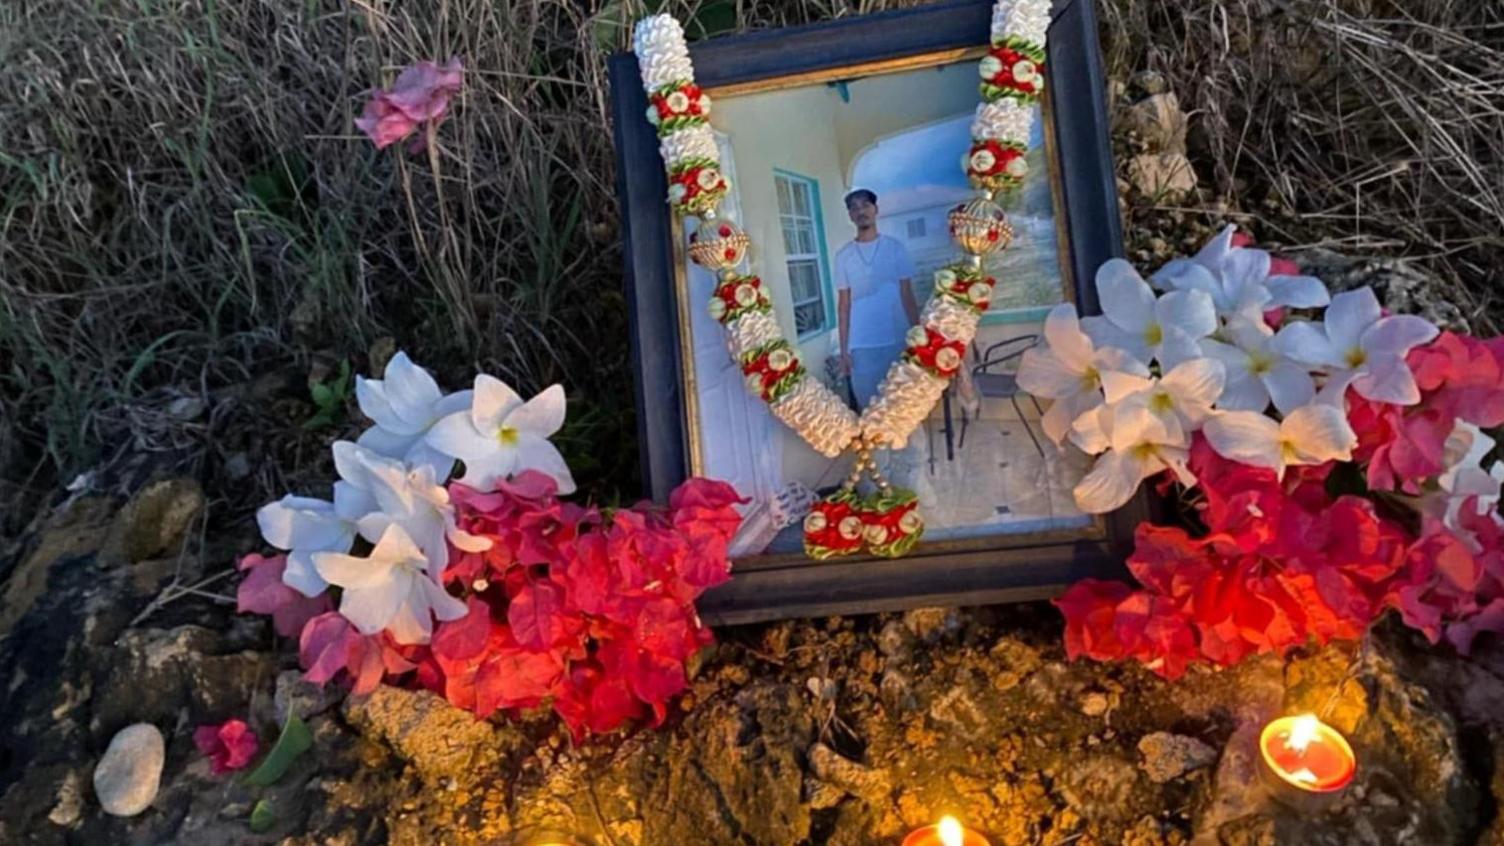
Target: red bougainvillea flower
{"x":420,"y":95}
{"x":263,"y":592}
{"x":230,"y":745}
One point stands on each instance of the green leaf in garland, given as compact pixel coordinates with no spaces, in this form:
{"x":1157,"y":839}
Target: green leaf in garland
{"x":294,"y":741}
{"x":263,"y":817}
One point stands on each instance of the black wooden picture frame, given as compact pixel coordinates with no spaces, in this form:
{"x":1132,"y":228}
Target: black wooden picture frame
{"x":1087,"y":190}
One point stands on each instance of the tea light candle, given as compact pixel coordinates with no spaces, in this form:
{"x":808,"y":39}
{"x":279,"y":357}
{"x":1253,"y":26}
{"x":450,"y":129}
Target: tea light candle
{"x":948,"y":832}
{"x":1307,"y":756}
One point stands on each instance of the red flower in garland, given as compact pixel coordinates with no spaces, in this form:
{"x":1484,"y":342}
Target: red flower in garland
{"x":1005,"y":66}
{"x":684,"y":101}
{"x":934,"y":352}
{"x":834,"y":526}
{"x":769,"y":368}
{"x":990,"y":157}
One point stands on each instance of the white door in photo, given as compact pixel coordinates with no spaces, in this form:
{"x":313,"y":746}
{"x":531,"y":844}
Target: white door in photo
{"x":738,"y":435}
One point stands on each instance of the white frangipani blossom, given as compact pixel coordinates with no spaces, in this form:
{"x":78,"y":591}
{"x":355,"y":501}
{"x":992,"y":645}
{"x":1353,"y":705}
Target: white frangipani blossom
{"x":1068,"y":369}
{"x":304,"y":525}
{"x":1357,"y":345}
{"x":409,"y":497}
{"x":500,"y":435}
{"x":1182,"y":399}
{"x":1139,"y":445}
{"x":1238,"y":280}
{"x":390,"y":589}
{"x":1166,"y":329}
{"x":1312,"y":434}
{"x":404,"y":406}
{"x":1256,"y":372}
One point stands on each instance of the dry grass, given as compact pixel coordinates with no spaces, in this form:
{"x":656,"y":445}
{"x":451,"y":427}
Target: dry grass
{"x":1363,"y":126}
{"x":190,"y":228}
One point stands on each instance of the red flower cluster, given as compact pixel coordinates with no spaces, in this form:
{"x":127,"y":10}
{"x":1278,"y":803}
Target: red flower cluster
{"x":1283,"y":563}
{"x":771,"y":371}
{"x":696,"y":182}
{"x":1454,"y":582}
{"x":736,"y":296}
{"x":937,"y":354}
{"x":1002,"y":157}
{"x":1014,"y":70}
{"x":1461,"y":379}
{"x":682,"y":101}
{"x":586,"y":611}
{"x":833,"y":527}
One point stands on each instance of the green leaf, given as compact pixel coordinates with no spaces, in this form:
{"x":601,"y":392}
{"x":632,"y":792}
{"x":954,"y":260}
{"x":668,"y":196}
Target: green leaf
{"x":294,"y":741}
{"x":263,"y":817}
{"x":323,"y":395}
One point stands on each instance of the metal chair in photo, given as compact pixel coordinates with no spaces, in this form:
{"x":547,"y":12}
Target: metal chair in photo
{"x":1004,"y":385}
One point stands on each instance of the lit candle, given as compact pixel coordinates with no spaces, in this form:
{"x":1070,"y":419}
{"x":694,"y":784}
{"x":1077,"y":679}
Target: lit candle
{"x":1309,"y":759}
{"x":949,"y":832}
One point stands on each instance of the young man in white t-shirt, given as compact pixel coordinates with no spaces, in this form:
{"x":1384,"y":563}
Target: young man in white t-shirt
{"x":875,"y":302}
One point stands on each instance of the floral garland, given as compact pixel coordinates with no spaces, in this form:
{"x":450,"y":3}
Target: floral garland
{"x":1334,"y":455}
{"x":885,"y":523}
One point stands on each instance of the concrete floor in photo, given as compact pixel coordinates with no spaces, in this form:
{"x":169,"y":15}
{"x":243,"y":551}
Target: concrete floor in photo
{"x":997,"y":482}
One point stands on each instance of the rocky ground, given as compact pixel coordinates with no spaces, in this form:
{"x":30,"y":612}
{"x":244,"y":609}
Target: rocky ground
{"x":841,"y":731}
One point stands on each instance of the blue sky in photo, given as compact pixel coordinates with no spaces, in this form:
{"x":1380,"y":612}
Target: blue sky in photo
{"x":922,"y":168}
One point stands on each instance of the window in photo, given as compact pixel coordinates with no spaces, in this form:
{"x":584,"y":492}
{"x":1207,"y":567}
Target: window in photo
{"x":804,"y":250}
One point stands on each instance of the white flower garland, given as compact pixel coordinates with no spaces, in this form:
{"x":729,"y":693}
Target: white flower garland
{"x":909,"y":390}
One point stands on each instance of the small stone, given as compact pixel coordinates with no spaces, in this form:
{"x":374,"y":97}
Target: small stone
{"x":186,"y":408}
{"x":1169,"y":756}
{"x":296,"y":695}
{"x":932,"y":624}
{"x":1161,"y":175}
{"x":895,"y":641}
{"x":238,"y":466}
{"x":1151,"y":82}
{"x":1159,"y":123}
{"x":128,"y":775}
{"x":70,"y":801}
{"x":1094,"y":704}
{"x":897,"y":692}
{"x":153,"y":523}
{"x":381,"y":352}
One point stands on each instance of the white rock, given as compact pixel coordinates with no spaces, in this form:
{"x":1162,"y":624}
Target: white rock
{"x":127,"y":777}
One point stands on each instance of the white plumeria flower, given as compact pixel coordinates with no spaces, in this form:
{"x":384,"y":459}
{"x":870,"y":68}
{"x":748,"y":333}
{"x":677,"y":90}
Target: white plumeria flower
{"x":1182,"y":399}
{"x":501,"y":435}
{"x":406,"y":496}
{"x":1166,"y":329}
{"x":304,"y":525}
{"x":390,"y":590}
{"x":404,"y":405}
{"x":1256,"y":372}
{"x":1068,"y":369}
{"x":1464,"y":477}
{"x":1238,"y":280}
{"x":1139,"y":445}
{"x":1358,"y":346}
{"x":1312,"y":434}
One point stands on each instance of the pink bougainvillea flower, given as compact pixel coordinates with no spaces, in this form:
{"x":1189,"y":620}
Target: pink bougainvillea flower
{"x":230,"y":745}
{"x":420,"y":95}
{"x":263,"y":592}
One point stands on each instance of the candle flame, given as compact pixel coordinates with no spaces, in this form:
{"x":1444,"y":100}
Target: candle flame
{"x":951,"y":833}
{"x":1302,"y":732}
{"x":1304,"y":776}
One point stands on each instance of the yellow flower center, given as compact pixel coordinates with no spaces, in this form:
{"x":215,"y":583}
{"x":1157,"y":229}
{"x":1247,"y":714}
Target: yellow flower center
{"x":507,"y":436}
{"x":1144,"y":452}
{"x":1356,"y":357}
{"x":1260,"y":363}
{"x":1287,"y":452}
{"x":1154,"y":335}
{"x":1090,"y":378}
{"x":1161,"y":402}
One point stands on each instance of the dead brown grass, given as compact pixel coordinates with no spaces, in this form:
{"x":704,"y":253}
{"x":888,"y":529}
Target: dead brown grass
{"x":191,"y":229}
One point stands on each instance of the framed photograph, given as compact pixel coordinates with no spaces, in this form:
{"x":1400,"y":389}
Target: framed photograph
{"x":843,"y":143}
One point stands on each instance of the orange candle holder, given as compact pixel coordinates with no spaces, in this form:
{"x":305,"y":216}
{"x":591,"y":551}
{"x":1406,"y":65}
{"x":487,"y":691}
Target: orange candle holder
{"x":947,"y":832}
{"x":1307,"y":764}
